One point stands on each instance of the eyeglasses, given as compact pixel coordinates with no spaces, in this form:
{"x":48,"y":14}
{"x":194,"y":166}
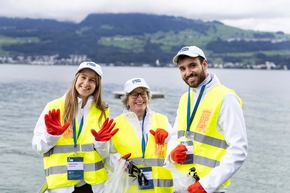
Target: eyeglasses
{"x":135,"y":95}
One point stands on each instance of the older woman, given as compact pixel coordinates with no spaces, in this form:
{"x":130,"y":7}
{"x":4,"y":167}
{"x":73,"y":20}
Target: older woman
{"x":142,"y":137}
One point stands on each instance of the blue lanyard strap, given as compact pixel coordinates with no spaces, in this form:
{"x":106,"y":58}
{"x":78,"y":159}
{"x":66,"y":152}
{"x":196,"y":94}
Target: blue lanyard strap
{"x":190,"y":118}
{"x":143,"y":138}
{"x":75,"y":136}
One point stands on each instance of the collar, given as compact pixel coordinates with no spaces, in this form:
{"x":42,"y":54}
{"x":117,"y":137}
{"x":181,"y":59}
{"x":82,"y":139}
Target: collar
{"x":131,"y":115}
{"x":204,"y":82}
{"x":88,"y":104}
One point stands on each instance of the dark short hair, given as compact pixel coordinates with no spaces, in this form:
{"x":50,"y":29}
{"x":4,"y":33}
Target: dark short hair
{"x":182,"y":57}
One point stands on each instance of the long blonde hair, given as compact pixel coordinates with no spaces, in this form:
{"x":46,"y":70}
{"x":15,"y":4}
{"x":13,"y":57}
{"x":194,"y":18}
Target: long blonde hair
{"x":71,"y":103}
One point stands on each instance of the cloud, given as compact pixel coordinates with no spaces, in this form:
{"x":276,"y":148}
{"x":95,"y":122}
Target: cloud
{"x":267,"y":25}
{"x":246,"y":14}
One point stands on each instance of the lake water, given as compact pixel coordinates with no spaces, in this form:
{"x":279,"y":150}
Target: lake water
{"x":25,"y":89}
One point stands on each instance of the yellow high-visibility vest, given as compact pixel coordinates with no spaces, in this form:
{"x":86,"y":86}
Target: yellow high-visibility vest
{"x":126,"y":141}
{"x":209,"y":145}
{"x":55,"y":160}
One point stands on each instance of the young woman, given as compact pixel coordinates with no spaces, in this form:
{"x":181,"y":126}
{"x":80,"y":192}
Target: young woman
{"x":73,"y":132}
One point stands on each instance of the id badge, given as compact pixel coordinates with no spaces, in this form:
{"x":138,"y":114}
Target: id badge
{"x":75,"y":168}
{"x":189,"y":145}
{"x":145,"y":179}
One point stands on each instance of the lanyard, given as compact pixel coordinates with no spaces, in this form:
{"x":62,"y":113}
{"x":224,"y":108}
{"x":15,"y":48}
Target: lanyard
{"x":143,"y":138}
{"x":190,"y":117}
{"x":75,"y":136}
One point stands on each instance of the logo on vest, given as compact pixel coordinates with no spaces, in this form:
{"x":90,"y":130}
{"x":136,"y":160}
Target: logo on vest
{"x":203,"y":121}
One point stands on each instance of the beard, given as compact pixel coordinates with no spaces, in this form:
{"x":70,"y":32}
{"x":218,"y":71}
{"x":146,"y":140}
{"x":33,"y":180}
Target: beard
{"x":195,"y":78}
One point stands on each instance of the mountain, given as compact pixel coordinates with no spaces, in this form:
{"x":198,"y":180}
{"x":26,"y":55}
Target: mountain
{"x":136,"y":39}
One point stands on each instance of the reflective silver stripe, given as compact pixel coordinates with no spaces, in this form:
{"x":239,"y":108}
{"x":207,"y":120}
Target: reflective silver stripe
{"x":137,"y":161}
{"x":69,"y":149}
{"x":63,"y":169}
{"x":55,"y":170}
{"x":162,"y":183}
{"x":154,"y":162}
{"x":194,"y":159}
{"x":210,"y":141}
{"x":87,"y":147}
{"x":94,"y":166}
{"x":149,"y":161}
{"x":205,"y":161}
{"x":204,"y":139}
{"x":180,"y":133}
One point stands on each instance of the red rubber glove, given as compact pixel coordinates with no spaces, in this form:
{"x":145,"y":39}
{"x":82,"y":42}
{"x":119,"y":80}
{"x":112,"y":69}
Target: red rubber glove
{"x":196,"y":188}
{"x":126,"y":156}
{"x":52,"y":122}
{"x":160,"y":135}
{"x":179,"y":154}
{"x":106,"y":132}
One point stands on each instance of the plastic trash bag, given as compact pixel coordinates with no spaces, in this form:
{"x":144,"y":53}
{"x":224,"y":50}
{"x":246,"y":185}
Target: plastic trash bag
{"x":181,"y":181}
{"x":120,"y":181}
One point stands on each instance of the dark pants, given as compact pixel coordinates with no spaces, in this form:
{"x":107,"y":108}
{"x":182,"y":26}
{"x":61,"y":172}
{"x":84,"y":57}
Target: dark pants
{"x":87,"y":188}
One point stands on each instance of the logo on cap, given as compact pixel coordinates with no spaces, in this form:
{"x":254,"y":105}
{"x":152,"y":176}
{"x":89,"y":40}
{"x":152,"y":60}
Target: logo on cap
{"x":91,"y":64}
{"x":136,"y":81}
{"x":184,"y":49}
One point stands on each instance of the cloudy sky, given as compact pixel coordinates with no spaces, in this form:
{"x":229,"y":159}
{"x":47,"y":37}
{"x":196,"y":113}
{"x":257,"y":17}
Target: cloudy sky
{"x":260,"y":15}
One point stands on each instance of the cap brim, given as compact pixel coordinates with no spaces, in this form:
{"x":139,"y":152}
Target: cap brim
{"x":97,"y":71}
{"x":174,"y":60}
{"x":134,"y":87}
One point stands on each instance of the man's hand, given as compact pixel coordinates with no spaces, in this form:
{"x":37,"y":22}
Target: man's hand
{"x":106,"y":132}
{"x":52,"y":122}
{"x":196,"y":188}
{"x":160,"y":135}
{"x":179,"y":154}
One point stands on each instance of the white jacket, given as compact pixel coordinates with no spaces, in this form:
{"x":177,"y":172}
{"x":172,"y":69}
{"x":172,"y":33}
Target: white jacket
{"x":42,"y":142}
{"x":231,"y":124}
{"x":132,"y":118}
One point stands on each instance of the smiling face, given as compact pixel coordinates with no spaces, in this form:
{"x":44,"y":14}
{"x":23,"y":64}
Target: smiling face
{"x":192,"y":71}
{"x":86,"y":84}
{"x":138,"y":100}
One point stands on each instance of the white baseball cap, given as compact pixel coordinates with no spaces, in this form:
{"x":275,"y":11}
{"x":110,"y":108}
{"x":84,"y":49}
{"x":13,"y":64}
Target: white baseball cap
{"x":91,"y":65}
{"x":191,"y":51}
{"x":134,"y":83}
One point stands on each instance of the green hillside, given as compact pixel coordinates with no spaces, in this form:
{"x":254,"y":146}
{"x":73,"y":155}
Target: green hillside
{"x":138,"y":39}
